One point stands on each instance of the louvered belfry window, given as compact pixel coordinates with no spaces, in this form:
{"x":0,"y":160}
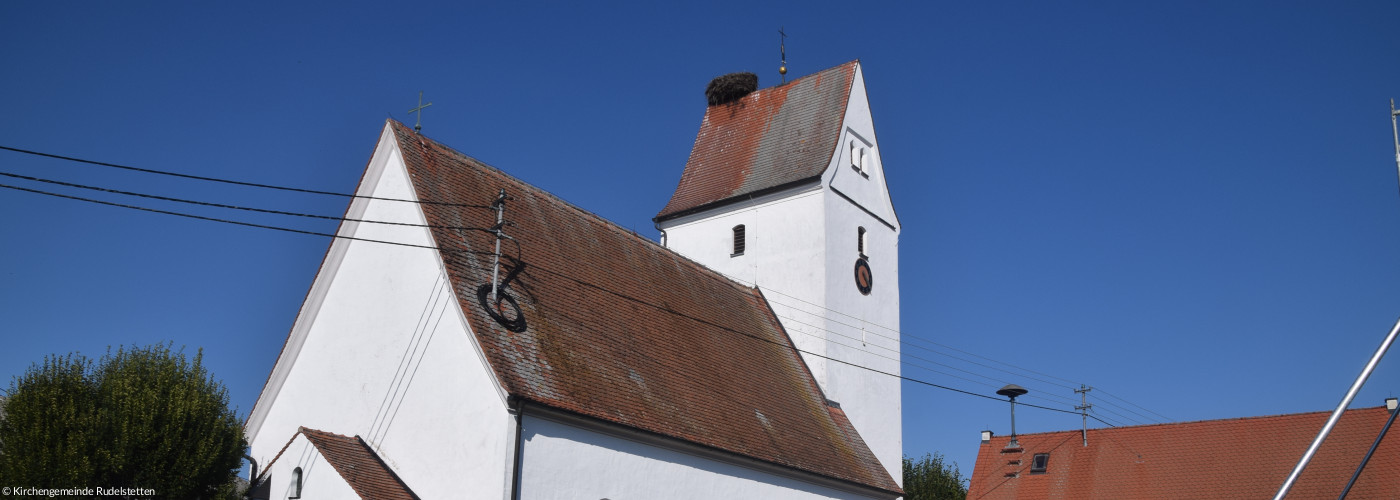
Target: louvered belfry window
{"x":738,"y":240}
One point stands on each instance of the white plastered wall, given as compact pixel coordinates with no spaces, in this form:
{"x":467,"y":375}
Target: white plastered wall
{"x":864,"y":329}
{"x":381,"y":350}
{"x":784,"y":252}
{"x":564,"y":461}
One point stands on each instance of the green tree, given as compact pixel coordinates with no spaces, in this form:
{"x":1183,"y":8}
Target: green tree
{"x":930,"y":478}
{"x":138,"y":418}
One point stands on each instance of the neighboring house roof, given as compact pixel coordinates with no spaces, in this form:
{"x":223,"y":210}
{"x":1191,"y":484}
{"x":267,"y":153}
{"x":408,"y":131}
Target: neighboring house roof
{"x":769,"y":139}
{"x":622,"y":330}
{"x":1234,"y":458}
{"x":356,"y":462}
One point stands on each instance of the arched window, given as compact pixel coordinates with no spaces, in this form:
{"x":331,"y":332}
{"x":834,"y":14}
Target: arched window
{"x":860,"y":241}
{"x":738,"y":240}
{"x":296,"y":483}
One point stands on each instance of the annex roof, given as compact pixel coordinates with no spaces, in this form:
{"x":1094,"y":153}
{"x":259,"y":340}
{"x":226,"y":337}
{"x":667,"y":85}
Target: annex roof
{"x":356,"y":463}
{"x":1233,"y":458}
{"x":771,"y":138}
{"x":622,"y":330}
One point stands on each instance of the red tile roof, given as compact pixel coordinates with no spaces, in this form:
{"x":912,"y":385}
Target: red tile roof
{"x":1234,"y":458}
{"x":356,"y":462}
{"x":619,"y":329}
{"x":770,"y":138}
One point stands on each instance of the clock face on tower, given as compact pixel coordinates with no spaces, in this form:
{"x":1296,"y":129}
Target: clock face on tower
{"x":863,"y":278}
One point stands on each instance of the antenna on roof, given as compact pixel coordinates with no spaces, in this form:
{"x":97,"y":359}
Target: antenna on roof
{"x":499,"y":230}
{"x":493,"y":296}
{"x":1011,"y":391}
{"x":419,"y":125}
{"x":782,"y":50}
{"x":1083,"y":408}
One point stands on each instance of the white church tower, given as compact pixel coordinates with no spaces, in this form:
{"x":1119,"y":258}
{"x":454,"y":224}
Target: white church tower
{"x":785,"y":190}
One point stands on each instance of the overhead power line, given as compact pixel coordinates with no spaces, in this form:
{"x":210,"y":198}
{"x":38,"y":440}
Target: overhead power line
{"x":232,"y":207}
{"x":1106,"y":393}
{"x":234,"y":222}
{"x":543,"y":269}
{"x":233,"y":182}
{"x":444,"y":203}
{"x":347,"y":219}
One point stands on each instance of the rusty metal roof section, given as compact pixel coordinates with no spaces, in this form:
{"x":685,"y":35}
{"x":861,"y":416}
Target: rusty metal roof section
{"x":768,"y":139}
{"x":619,"y":329}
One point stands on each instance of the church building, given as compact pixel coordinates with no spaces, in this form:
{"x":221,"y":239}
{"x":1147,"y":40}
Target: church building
{"x":469,"y":335}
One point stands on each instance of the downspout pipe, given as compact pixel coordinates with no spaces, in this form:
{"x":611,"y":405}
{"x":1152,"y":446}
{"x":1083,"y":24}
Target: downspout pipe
{"x":1337,"y":414}
{"x":518,"y":410}
{"x":253,"y":472}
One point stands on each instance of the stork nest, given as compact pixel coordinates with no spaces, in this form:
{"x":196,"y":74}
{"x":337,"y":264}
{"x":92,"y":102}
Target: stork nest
{"x":730,"y":87}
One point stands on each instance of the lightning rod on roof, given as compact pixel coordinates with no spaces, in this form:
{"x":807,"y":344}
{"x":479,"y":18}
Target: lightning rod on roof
{"x":782,"y":51}
{"x":499,"y":230}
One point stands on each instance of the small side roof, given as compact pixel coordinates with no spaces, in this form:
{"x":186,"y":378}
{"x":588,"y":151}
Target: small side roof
{"x":620,"y":329}
{"x":356,"y":463}
{"x":769,"y":139}
{"x":1233,"y":458}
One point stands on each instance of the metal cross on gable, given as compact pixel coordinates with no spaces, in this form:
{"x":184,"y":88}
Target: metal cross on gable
{"x":418,"y":126}
{"x":782,"y":49}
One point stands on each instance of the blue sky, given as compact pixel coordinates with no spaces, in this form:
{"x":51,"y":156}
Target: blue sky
{"x":1187,"y":205}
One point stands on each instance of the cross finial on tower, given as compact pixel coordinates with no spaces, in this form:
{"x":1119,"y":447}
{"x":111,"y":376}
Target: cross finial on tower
{"x":418,"y":126}
{"x":782,"y":50}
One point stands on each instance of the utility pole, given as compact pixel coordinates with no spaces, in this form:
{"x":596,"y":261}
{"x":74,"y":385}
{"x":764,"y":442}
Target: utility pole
{"x":1083,"y":408}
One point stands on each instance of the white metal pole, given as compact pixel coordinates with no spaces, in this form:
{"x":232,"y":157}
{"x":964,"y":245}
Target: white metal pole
{"x":1395,"y":134}
{"x":1337,"y":414}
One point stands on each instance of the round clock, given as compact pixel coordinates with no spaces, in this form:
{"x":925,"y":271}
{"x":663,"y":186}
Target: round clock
{"x":863,"y":278}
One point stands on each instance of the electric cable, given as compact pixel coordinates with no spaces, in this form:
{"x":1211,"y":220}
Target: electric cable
{"x":237,"y":223}
{"x":1109,"y":394}
{"x":425,"y":202}
{"x":233,"y":207}
{"x":544,"y":269}
{"x":233,"y":182}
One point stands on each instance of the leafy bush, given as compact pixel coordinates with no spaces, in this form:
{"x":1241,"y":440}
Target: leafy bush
{"x":930,"y":478}
{"x":139,"y":418}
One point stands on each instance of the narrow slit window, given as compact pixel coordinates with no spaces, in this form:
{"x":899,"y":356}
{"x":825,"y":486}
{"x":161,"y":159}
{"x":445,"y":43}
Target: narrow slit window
{"x":860,"y":241}
{"x":738,"y":240}
{"x":861,"y":164}
{"x":1040,"y":463}
{"x":855,"y":156}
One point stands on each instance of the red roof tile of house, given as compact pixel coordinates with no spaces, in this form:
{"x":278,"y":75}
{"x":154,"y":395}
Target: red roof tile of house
{"x":1234,"y":458}
{"x":356,"y":462}
{"x":769,"y":139}
{"x":622,"y":330}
